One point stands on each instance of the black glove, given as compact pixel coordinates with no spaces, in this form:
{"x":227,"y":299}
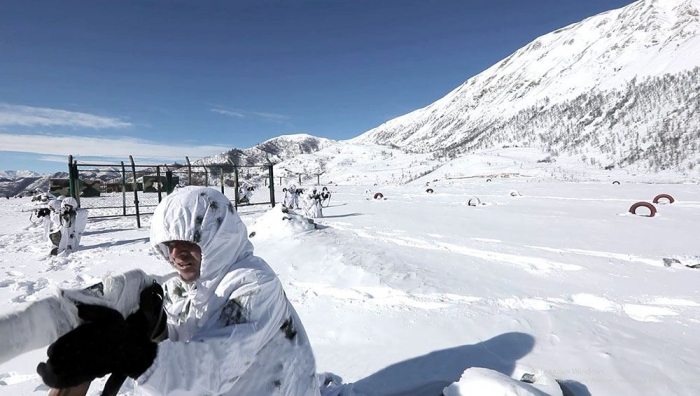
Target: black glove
{"x":106,"y":344}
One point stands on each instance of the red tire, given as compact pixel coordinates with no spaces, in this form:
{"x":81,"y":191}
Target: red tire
{"x":652,"y":208}
{"x":429,"y":191}
{"x":378,"y":196}
{"x":661,"y":196}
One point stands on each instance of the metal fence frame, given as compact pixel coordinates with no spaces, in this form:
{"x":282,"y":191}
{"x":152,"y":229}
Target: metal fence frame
{"x":192,"y":170}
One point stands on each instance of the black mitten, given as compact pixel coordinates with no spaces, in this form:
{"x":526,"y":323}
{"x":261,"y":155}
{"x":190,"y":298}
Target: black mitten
{"x":106,"y":344}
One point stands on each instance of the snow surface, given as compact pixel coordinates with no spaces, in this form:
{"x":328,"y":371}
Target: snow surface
{"x":480,"y":381}
{"x":401,"y":296}
{"x":350,"y":163}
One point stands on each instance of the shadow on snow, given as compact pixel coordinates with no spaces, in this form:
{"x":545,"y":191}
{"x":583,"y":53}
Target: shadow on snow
{"x":429,"y":374}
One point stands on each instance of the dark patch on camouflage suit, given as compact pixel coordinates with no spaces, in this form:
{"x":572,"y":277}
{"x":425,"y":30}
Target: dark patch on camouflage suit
{"x":288,"y":328}
{"x":233,"y":313}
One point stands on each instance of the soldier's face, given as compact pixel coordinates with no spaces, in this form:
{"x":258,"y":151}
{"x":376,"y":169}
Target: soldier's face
{"x":186,"y":258}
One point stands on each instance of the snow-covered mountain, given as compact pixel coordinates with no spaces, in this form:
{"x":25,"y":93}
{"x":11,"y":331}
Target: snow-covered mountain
{"x":10,"y":187}
{"x":273,"y":151}
{"x":15,"y":182}
{"x":608,"y":86}
{"x":11,"y":174}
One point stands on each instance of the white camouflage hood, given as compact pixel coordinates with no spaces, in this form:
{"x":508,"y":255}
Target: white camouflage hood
{"x":206,"y":217}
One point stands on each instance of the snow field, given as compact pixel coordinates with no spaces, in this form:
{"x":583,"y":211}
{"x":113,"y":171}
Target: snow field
{"x":401,"y":296}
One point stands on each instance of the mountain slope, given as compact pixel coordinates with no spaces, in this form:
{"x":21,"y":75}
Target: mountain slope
{"x":11,"y":174}
{"x":273,"y":151}
{"x":649,"y":38}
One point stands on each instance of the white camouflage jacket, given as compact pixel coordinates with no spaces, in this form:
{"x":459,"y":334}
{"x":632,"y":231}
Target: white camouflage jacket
{"x":233,"y":331}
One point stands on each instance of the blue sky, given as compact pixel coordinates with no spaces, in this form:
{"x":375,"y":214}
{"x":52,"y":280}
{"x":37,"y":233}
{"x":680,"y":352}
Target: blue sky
{"x":165,"y":79}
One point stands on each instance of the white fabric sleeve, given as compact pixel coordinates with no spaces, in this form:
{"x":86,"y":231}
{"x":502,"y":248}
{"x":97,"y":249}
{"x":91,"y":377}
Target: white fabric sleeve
{"x":213,"y":364}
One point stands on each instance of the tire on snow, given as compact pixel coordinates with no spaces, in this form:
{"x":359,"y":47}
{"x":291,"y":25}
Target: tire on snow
{"x":429,"y":191}
{"x":474,"y":201}
{"x":652,"y":208}
{"x":662,"y":196}
{"x":378,"y":196}
{"x":616,"y":182}
{"x":514,"y":193}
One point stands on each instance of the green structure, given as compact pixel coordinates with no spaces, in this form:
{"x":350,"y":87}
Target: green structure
{"x":59,"y":187}
{"x":89,"y":188}
{"x":151,"y":183}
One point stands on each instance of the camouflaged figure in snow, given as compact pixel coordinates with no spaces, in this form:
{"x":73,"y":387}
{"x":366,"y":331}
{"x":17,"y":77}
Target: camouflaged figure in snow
{"x":52,"y":223}
{"x":71,"y":224}
{"x":244,"y":193}
{"x":291,"y":199}
{"x":232,"y":331}
{"x":312,"y":204}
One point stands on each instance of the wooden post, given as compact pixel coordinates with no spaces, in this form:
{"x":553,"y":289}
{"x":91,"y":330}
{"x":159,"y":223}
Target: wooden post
{"x":222,"y":179}
{"x":272,"y":186}
{"x":123,"y":189}
{"x":206,"y":177}
{"x":136,"y":193}
{"x":76,"y":185}
{"x":159,"y":183}
{"x":299,"y":178}
{"x":189,"y":171}
{"x":70,"y":176}
{"x":235,"y":185}
{"x":169,"y":181}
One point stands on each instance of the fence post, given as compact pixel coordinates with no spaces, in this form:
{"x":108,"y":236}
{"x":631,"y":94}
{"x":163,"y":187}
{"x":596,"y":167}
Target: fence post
{"x":222,"y":180}
{"x":206,"y":177}
{"x":189,"y":171}
{"x":123,"y":189}
{"x":76,"y":185}
{"x":70,"y":176}
{"x":235,"y":185}
{"x":136,"y":193}
{"x":159,"y":183}
{"x":169,"y":181}
{"x":299,"y":178}
{"x":272,"y":186}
